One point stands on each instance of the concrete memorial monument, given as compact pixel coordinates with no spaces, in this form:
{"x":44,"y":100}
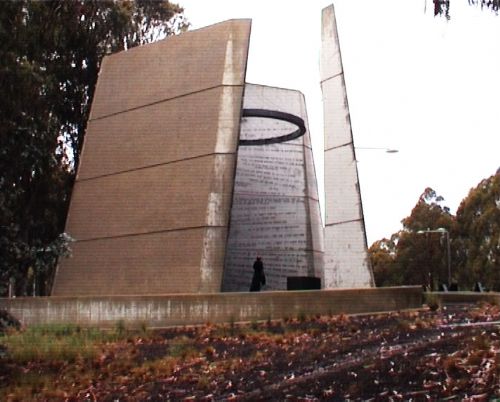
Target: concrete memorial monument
{"x":152,"y":209}
{"x":188,"y":173}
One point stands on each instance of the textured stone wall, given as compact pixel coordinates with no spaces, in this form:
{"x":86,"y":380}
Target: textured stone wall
{"x":275,"y":210}
{"x":168,"y":310}
{"x":150,"y":206}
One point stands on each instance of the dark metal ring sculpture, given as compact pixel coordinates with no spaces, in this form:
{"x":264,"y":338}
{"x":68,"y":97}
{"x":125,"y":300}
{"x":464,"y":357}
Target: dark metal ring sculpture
{"x":273,"y":114}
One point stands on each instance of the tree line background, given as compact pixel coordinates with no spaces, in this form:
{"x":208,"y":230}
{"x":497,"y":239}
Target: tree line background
{"x":412,"y":258}
{"x":50,"y":54}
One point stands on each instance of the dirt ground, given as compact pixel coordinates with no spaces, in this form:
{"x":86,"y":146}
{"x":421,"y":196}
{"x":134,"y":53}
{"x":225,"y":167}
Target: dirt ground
{"x":449,"y":354}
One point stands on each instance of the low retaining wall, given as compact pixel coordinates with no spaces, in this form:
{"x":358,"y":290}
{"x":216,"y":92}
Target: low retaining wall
{"x":186,"y":309}
{"x":466,"y":297}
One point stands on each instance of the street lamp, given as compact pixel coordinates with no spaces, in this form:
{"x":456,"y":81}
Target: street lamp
{"x":448,"y":254}
{"x":387,"y":150}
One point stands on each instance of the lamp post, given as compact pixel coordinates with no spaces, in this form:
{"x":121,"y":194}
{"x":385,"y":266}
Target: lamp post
{"x":448,"y":254}
{"x":387,"y":150}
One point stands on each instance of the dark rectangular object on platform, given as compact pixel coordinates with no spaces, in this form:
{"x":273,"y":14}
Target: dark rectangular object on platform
{"x":303,"y":283}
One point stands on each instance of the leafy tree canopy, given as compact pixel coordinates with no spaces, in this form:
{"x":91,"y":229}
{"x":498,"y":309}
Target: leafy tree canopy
{"x":416,"y":256}
{"x":442,"y":7}
{"x":478,"y":218}
{"x":410,"y":257}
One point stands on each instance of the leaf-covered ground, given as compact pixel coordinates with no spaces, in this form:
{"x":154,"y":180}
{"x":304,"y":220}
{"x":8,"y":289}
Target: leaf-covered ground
{"x":449,"y":354}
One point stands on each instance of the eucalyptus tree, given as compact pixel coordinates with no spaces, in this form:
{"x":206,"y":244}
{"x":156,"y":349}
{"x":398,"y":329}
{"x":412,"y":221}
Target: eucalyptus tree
{"x":478,"y":218}
{"x":415,"y":255}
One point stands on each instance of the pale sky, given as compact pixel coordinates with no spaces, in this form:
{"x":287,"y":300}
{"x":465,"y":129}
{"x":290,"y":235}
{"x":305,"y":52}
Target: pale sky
{"x":423,"y":85}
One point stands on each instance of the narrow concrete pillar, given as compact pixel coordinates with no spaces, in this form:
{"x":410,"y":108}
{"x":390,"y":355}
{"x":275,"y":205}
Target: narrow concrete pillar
{"x":346,"y":257}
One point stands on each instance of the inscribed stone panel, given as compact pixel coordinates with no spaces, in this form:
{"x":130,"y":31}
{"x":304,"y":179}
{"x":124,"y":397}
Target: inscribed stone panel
{"x":271,"y":210}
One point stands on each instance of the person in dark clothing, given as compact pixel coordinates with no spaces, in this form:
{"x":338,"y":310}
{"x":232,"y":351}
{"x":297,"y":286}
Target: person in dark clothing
{"x":259,"y":278}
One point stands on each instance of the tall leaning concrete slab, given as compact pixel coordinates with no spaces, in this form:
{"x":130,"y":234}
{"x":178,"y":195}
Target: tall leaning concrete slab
{"x":151,"y":203}
{"x":346,"y":257}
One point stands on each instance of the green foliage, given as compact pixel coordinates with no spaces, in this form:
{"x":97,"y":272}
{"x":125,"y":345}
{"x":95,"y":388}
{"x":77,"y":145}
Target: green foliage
{"x":182,"y":347}
{"x":442,"y":7}
{"x":427,"y":213}
{"x":383,"y":261}
{"x":50,"y":54}
{"x":412,"y":258}
{"x":120,"y":327}
{"x":143,"y":328}
{"x":478,"y":217}
{"x":54,"y":342}
{"x":431,"y":300}
{"x":301,"y":316}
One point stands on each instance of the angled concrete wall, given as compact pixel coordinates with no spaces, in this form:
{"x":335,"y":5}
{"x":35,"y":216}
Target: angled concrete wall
{"x":275,"y":211}
{"x":150,"y":206}
{"x":346,"y":257}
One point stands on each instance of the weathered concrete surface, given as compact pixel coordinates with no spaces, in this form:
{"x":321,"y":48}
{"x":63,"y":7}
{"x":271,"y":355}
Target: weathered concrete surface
{"x":466,"y":297}
{"x":140,"y":264}
{"x":183,"y":309}
{"x":162,"y":133}
{"x":346,"y":257}
{"x":150,"y":206}
{"x":275,"y":210}
{"x":184,"y":64}
{"x":164,"y":197}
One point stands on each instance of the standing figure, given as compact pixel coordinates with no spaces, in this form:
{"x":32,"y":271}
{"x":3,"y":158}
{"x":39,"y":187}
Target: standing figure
{"x":259,"y":278}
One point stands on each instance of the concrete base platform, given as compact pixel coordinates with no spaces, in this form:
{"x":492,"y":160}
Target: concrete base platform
{"x":189,"y":309}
